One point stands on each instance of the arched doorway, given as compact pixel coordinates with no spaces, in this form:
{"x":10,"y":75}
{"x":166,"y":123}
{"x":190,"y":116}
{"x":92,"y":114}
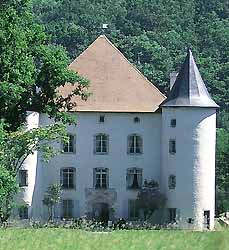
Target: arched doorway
{"x":101,"y":212}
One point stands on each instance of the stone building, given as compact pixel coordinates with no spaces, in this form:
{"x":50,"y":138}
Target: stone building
{"x":128,"y":131}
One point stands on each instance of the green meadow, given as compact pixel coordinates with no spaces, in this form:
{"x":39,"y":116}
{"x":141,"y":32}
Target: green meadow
{"x":66,"y":239}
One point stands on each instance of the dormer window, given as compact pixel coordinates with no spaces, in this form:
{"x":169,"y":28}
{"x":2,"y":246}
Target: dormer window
{"x":136,"y":119}
{"x":173,"y":123}
{"x":102,"y":118}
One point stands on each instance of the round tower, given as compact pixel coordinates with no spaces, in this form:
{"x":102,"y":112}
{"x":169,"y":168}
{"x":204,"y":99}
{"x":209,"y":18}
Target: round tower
{"x":27,"y":173}
{"x":188,"y":150}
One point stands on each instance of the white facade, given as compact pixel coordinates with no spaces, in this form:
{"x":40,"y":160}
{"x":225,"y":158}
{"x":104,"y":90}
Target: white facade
{"x":128,"y":132}
{"x":192,"y":164}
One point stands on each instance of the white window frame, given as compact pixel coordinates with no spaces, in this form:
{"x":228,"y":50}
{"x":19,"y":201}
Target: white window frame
{"x":101,"y":143}
{"x":70,"y":146}
{"x":70,"y":177}
{"x":131,"y":174}
{"x":134,"y":144}
{"x":101,"y":178}
{"x":67,"y":208}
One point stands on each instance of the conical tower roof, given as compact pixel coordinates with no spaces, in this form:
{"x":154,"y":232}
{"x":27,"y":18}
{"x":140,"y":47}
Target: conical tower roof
{"x":189,"y":89}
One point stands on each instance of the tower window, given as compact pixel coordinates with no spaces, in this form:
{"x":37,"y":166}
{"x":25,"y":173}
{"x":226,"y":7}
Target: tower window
{"x":136,"y":119}
{"x":101,"y":178}
{"x":172,"y":146}
{"x":134,"y":178}
{"x":102,"y":118}
{"x":23,"y":178}
{"x":172,"y":182}
{"x":173,"y":123}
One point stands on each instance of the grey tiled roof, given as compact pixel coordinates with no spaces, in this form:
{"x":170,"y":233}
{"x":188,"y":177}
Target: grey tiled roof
{"x":189,"y":89}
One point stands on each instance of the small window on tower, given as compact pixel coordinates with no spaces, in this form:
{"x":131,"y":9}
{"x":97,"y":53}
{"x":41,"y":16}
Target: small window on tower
{"x":173,"y":123}
{"x":172,"y":182}
{"x":102,"y":118}
{"x":172,"y":146}
{"x":136,"y":119}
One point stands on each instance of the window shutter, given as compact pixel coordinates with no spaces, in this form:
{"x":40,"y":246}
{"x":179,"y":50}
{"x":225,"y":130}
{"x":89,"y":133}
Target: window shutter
{"x":76,"y":212}
{"x":61,"y":177}
{"x":94,"y":177}
{"x":107,"y":149}
{"x":107,"y":177}
{"x":26,"y":177}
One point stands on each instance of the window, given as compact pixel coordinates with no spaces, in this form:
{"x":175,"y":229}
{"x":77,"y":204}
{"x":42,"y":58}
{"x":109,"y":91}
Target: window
{"x":101,"y":144}
{"x":101,"y":118}
{"x":23,"y":178}
{"x":67,"y":178}
{"x":134,"y":144}
{"x":133,"y":210}
{"x":172,"y":182}
{"x":136,"y":119}
{"x":172,"y":215}
{"x":173,"y":123}
{"x":69,"y":147}
{"x":67,"y":209}
{"x":23,"y":212}
{"x":172,"y":146}
{"x":101,"y":178}
{"x":134,"y":178}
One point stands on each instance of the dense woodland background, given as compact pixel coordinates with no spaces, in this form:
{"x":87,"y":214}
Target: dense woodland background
{"x":154,"y":35}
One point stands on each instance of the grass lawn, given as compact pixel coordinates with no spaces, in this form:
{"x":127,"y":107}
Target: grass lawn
{"x":66,"y":239}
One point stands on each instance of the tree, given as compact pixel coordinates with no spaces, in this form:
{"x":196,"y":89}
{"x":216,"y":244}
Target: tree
{"x":51,"y":198}
{"x":222,"y":171}
{"x":31,"y":69}
{"x":150,"y":198}
{"x":31,"y":72}
{"x":8,"y":187}
{"x":15,"y":147}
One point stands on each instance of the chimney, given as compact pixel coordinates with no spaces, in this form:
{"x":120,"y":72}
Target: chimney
{"x":173,"y":77}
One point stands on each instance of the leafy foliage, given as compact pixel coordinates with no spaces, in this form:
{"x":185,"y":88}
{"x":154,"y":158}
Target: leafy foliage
{"x":153,"y":35}
{"x":8,"y":187}
{"x":51,"y":198}
{"x":15,"y":147}
{"x":31,"y":70}
{"x":222,"y":171}
{"x":150,"y":198}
